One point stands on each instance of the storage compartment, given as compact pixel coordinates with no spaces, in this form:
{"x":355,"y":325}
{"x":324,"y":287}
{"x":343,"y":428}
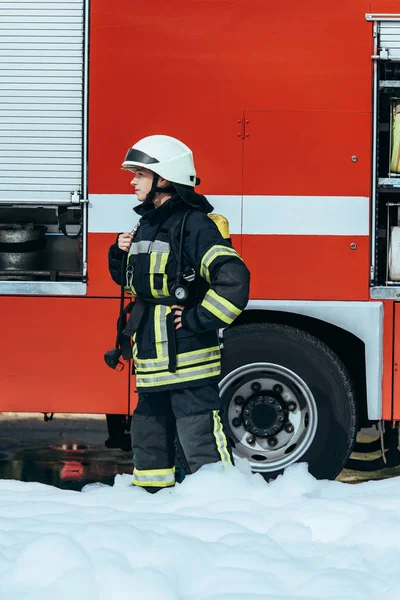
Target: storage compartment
{"x":385,"y":263}
{"x":387,"y":184}
{"x":42,"y":244}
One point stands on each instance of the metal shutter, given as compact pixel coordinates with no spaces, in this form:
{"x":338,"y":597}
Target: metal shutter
{"x":41,"y":100}
{"x":389,"y":39}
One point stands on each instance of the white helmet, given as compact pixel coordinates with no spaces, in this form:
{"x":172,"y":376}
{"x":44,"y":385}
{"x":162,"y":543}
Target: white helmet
{"x":164,"y":155}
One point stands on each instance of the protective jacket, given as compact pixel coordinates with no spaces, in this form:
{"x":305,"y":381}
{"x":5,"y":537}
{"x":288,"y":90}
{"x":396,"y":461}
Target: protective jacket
{"x":190,"y":356}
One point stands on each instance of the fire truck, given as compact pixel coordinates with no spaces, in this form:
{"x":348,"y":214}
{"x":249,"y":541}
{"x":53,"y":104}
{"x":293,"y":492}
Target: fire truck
{"x":293,"y":114}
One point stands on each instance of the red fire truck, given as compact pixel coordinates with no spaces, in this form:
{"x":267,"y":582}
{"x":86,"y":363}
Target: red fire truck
{"x":292,"y":111}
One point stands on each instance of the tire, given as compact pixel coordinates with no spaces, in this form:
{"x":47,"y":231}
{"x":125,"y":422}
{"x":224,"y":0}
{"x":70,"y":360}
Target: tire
{"x":298,"y":396}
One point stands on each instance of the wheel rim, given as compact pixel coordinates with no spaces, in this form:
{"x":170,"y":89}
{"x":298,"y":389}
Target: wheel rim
{"x":270,"y":414}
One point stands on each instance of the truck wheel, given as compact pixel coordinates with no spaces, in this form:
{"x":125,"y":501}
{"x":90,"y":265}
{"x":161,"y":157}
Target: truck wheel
{"x":287,"y":398}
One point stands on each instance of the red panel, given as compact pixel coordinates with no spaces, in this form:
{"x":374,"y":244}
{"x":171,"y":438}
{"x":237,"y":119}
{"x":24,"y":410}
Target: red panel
{"x":52,"y":356}
{"x":237,"y":243}
{"x":309,"y":153}
{"x":385,"y":6}
{"x":99,"y":279}
{"x":189,"y":69}
{"x":387,"y":385}
{"x":307,"y":267}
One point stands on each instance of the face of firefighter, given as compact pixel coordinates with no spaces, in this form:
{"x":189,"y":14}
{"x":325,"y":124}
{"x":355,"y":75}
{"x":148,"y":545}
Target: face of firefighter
{"x":142,"y":180}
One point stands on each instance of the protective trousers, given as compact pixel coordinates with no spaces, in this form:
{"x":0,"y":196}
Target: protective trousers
{"x":191,"y":414}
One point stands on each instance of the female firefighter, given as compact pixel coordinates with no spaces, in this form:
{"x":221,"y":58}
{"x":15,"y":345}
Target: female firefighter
{"x":188,"y":282}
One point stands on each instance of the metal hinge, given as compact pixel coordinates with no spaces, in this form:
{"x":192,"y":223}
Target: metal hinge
{"x":75,"y":197}
{"x":383,"y":55}
{"x":242,"y":134}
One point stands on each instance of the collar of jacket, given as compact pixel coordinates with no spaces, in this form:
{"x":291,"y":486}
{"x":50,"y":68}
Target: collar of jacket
{"x":184,"y":197}
{"x":159,"y":215}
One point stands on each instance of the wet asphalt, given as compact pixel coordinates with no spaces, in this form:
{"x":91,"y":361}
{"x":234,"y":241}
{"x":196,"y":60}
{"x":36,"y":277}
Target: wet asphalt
{"x":69,"y":452}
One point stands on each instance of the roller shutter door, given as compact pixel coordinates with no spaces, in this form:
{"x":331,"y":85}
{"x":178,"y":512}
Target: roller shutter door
{"x":41,"y":100}
{"x":389,"y":39}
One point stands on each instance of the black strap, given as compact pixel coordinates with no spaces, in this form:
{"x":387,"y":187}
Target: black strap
{"x":122,"y":340}
{"x":152,"y":193}
{"x":136,"y":309}
{"x":178,"y":247}
{"x":172,"y":361}
{"x":62,"y":214}
{"x":121,"y":300}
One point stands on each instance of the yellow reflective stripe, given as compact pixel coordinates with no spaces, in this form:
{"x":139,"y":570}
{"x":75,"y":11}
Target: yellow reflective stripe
{"x":201,"y":351}
{"x":188,"y":359}
{"x":165,"y":277}
{"x":197,"y":377}
{"x":160,"y":330}
{"x":181,"y":376}
{"x":211,"y":255}
{"x":154,"y":478}
{"x":157,"y":329}
{"x":215,"y":311}
{"x":183,"y":371}
{"x":220,"y":307}
{"x":220,"y":439}
{"x":153,"y":259}
{"x":153,"y":483}
{"x":158,"y":262}
{"x":186,"y":356}
{"x":153,"y":472}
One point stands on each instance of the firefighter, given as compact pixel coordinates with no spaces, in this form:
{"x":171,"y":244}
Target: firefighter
{"x":188,"y":282}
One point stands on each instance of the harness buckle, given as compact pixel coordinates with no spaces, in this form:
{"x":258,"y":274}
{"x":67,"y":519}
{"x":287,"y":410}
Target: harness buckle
{"x":190,"y":275}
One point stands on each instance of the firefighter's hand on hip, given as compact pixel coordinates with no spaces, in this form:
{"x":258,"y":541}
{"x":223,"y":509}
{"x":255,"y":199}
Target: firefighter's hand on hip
{"x":125,"y":241}
{"x":178,"y":315}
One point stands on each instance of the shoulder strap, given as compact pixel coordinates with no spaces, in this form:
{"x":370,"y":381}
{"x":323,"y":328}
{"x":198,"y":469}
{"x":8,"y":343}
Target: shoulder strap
{"x":176,"y":234}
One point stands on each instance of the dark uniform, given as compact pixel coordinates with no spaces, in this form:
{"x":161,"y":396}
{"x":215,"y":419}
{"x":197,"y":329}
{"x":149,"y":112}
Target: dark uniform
{"x":177,"y":371}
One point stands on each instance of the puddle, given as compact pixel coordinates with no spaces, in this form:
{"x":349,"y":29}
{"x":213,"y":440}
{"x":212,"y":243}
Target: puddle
{"x":65,"y":467}
{"x":69,"y":454}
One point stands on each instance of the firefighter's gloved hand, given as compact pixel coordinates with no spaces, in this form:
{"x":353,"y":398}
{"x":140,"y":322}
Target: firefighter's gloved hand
{"x":178,"y":315}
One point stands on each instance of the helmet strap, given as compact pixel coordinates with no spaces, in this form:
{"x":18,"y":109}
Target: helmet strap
{"x":152,"y":193}
{"x":169,"y":189}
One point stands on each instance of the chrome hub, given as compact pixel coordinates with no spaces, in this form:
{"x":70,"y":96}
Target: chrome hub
{"x":263,"y":414}
{"x":270,"y":413}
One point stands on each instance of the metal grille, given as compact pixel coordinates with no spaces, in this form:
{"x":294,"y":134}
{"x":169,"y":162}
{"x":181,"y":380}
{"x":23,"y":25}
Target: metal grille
{"x":389,"y":39}
{"x":41,"y":100}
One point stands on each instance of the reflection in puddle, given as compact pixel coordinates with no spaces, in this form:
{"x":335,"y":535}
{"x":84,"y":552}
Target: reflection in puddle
{"x":67,"y":466}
